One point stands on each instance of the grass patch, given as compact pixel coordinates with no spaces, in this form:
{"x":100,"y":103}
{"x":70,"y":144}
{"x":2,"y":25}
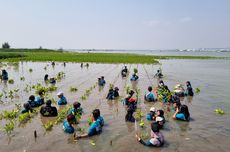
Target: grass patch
{"x":6,"y":55}
{"x":52,"y":55}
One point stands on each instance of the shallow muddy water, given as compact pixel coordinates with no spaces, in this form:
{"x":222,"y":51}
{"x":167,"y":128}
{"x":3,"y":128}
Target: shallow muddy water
{"x":206,"y":132}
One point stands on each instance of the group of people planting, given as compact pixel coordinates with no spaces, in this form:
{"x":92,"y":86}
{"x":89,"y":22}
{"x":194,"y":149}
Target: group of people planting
{"x":156,"y":116}
{"x":168,"y":98}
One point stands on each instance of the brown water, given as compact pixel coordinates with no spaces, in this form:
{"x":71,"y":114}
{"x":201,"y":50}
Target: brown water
{"x":206,"y":132}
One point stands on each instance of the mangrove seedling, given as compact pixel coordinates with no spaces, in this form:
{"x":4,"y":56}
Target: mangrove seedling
{"x":48,"y":126}
{"x":9,"y":127}
{"x":11,"y":81}
{"x":10,"y":114}
{"x":127,"y":88}
{"x":90,"y":121}
{"x":135,"y":70}
{"x":60,"y":75}
{"x":25,"y":117}
{"x":73,"y":89}
{"x":142,"y":124}
{"x":83,"y":97}
{"x":1,"y":94}
{"x":22,"y":78}
{"x":11,"y":94}
{"x":111,"y":86}
{"x":30,"y":70}
{"x":219,"y":111}
{"x":138,"y":114}
{"x":92,"y":142}
{"x":1,"y":116}
{"x":197,"y":90}
{"x":16,"y":90}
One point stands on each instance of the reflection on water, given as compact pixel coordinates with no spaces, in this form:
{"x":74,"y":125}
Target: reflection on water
{"x":206,"y":131}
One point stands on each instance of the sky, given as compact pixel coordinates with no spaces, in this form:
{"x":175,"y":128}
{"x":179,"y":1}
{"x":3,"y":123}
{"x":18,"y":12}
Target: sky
{"x":115,"y":24}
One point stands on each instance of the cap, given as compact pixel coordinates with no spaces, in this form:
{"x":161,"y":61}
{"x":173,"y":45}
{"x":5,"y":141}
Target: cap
{"x":60,"y":93}
{"x":152,"y":109}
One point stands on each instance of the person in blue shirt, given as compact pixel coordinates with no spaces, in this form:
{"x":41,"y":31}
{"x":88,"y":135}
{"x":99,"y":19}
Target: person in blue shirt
{"x":157,"y":138}
{"x":32,"y":101}
{"x":189,"y":90}
{"x":68,"y":124}
{"x":134,"y":77}
{"x":151,"y":115}
{"x":62,"y":100}
{"x":4,"y":75}
{"x":100,"y":119}
{"x":40,"y":99}
{"x":149,"y":96}
{"x":101,"y":81}
{"x":182,"y":113}
{"x":77,"y":111}
{"x":27,"y":108}
{"x":95,"y":128}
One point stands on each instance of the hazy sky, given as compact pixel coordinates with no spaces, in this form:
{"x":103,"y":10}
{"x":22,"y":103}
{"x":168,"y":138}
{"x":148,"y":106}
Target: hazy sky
{"x":115,"y":24}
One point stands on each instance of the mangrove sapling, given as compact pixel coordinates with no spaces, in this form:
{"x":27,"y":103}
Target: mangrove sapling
{"x":16,"y":90}
{"x":22,"y":78}
{"x":25,"y":117}
{"x":52,"y":88}
{"x":60,"y":76}
{"x":127,"y":88}
{"x":10,"y":114}
{"x":90,"y":120}
{"x":1,"y":94}
{"x":62,"y":115}
{"x":142,"y":123}
{"x":81,"y":130}
{"x":73,"y":89}
{"x":9,"y":127}
{"x":144,"y":135}
{"x":83,"y":97}
{"x":18,"y":106}
{"x":11,"y":94}
{"x":197,"y":90}
{"x":219,"y":111}
{"x":138,"y":114}
{"x":135,"y":70}
{"x":1,"y":116}
{"x":48,"y":126}
{"x":30,"y":70}
{"x":11,"y":81}
{"x":111,"y":86}
{"x":92,"y":142}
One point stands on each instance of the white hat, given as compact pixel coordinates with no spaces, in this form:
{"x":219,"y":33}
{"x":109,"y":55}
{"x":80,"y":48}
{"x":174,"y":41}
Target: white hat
{"x":153,"y":109}
{"x":60,"y":93}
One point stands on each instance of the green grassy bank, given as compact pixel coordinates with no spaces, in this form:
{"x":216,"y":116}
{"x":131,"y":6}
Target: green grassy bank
{"x":51,"y":55}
